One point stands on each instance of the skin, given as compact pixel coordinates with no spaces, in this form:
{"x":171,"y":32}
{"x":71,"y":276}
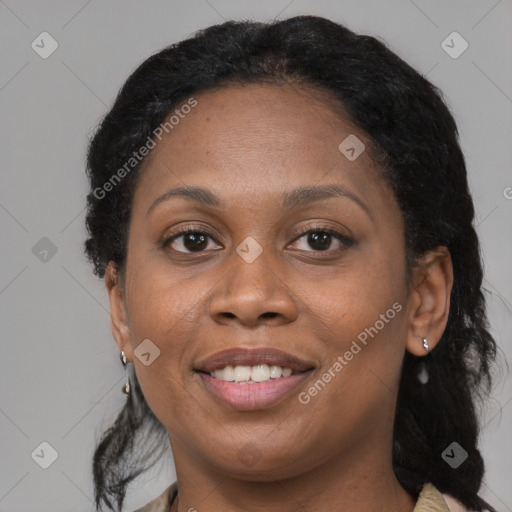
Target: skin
{"x":248,"y":144}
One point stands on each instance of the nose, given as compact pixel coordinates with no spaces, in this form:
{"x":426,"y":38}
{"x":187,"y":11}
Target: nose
{"x":253,"y":293}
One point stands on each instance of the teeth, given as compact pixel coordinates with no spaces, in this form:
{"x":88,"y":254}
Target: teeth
{"x":242,"y":373}
{"x":260,"y":373}
{"x":275,"y":372}
{"x":225,"y":374}
{"x":251,"y":374}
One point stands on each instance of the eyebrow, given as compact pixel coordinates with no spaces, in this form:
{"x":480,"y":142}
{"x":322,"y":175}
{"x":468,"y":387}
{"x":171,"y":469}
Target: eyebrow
{"x":295,"y":198}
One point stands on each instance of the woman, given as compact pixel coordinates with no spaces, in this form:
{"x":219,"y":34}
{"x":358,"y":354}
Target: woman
{"x":282,"y":218}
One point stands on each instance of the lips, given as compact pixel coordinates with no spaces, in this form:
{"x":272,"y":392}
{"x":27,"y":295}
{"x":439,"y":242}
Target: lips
{"x":254,"y":395}
{"x":252,"y":357}
{"x":257,"y":396}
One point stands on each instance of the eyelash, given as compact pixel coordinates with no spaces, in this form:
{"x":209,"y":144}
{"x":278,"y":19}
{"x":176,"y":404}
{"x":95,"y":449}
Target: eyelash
{"x":343,"y":239}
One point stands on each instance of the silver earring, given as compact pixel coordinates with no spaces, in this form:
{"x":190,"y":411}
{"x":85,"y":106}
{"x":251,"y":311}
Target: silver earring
{"x":422,"y":373}
{"x":126,"y":388}
{"x":425,"y":344}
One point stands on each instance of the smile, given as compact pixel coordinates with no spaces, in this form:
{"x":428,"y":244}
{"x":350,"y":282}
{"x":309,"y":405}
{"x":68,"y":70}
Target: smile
{"x":247,"y":394}
{"x":251,"y":374}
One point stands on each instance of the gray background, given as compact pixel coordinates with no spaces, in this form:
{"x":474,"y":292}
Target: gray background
{"x":60,"y":376}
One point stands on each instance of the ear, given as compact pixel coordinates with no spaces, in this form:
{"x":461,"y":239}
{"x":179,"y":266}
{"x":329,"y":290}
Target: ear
{"x":429,"y":301}
{"x":118,"y":313}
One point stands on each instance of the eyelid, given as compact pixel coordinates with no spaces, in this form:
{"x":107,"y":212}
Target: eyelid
{"x":327,"y":229}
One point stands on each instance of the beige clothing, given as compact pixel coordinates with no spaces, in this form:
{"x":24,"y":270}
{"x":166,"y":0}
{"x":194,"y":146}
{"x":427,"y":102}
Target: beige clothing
{"x":429,"y":500}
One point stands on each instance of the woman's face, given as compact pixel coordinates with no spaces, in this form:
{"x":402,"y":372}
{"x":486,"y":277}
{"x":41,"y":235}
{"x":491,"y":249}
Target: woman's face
{"x":248,"y":279}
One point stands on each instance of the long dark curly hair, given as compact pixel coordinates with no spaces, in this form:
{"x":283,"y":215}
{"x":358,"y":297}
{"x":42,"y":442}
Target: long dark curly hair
{"x":414,"y":139}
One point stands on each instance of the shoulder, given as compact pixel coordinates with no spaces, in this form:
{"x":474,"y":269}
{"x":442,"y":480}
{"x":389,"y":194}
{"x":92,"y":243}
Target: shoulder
{"x":431,"y":500}
{"x":454,"y":505}
{"x":161,"y":503}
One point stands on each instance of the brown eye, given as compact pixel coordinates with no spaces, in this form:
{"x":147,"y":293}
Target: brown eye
{"x":193,"y":240}
{"x":320,"y":239}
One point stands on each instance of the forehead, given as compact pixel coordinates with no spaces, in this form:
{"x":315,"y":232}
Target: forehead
{"x":258,"y":139}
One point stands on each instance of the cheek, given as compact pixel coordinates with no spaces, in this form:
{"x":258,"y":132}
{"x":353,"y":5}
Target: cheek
{"x":360,"y":316}
{"x":161,"y":303}
{"x":354,"y":299}
{"x":163,"y":310}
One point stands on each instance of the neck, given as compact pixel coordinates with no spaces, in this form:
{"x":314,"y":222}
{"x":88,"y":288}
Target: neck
{"x":363,"y":481}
